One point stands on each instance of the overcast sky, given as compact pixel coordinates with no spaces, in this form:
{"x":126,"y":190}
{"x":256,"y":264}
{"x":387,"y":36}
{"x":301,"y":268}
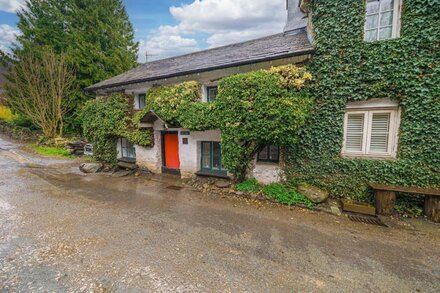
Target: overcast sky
{"x":168,"y":28}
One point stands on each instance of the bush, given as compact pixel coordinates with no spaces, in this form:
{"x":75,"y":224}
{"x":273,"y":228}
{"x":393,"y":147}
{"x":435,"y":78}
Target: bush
{"x":282,"y":194}
{"x":249,"y":185}
{"x":6,"y":114}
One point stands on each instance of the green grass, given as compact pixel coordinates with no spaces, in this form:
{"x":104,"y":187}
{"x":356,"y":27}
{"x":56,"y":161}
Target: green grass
{"x":282,"y":194}
{"x":48,"y":151}
{"x":249,"y":185}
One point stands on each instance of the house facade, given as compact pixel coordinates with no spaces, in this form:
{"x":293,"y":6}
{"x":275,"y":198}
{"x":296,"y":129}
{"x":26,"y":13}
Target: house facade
{"x":376,"y":68}
{"x":181,"y":151}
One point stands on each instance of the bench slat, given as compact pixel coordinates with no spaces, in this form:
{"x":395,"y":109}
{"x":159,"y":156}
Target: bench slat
{"x":426,"y":191}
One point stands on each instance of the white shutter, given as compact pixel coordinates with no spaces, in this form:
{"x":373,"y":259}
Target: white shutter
{"x":380,"y":132}
{"x":355,"y":132}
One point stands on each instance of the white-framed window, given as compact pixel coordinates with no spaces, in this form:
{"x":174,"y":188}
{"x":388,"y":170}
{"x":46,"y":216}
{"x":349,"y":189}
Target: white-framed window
{"x":210,"y":93}
{"x":140,"y":101}
{"x":382,"y":20}
{"x":371,"y":131}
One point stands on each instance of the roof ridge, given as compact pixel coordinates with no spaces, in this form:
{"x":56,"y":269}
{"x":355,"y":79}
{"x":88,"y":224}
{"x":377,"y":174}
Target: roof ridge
{"x":212,"y":49}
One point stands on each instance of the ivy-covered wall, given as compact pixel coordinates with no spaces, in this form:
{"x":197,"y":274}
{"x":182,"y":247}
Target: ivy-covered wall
{"x":346,"y":69}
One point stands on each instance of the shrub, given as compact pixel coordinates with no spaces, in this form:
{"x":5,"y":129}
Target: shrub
{"x":282,"y":194}
{"x":6,"y":114}
{"x":249,"y":185}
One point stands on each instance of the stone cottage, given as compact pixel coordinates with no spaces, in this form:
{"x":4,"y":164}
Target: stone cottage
{"x":184,"y":152}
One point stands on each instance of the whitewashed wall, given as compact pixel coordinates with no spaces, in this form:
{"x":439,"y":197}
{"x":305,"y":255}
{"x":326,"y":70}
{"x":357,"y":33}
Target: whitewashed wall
{"x":190,"y":154}
{"x":267,"y":173}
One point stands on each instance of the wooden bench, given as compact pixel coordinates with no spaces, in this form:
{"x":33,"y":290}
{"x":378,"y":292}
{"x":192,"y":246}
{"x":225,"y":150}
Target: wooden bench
{"x":385,"y":198}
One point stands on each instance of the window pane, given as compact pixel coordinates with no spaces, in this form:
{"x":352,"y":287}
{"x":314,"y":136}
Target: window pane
{"x":212,"y":93}
{"x":216,"y":156}
{"x":206,"y":155}
{"x":386,"y":5}
{"x":263,"y":155}
{"x":355,"y":132}
{"x":372,"y":6}
{"x":380,"y":130}
{"x":371,"y":35}
{"x":372,"y":21}
{"x":274,"y":153}
{"x":385,"y":33}
{"x":386,"y":19}
{"x":142,"y":99}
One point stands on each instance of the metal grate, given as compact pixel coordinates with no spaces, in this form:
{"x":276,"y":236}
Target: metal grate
{"x":175,"y":187}
{"x":367,"y":220}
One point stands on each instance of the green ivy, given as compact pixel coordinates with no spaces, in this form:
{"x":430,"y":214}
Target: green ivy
{"x":346,"y":68}
{"x":251,"y":110}
{"x":106,"y":119}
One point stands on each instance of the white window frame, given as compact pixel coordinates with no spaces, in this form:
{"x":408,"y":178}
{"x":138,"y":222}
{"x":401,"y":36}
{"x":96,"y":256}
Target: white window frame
{"x":136,"y":103}
{"x":375,"y":106}
{"x":205,"y":91}
{"x":397,"y":12}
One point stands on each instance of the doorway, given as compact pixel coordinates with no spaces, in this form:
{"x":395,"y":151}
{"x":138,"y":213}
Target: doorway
{"x":170,"y":152}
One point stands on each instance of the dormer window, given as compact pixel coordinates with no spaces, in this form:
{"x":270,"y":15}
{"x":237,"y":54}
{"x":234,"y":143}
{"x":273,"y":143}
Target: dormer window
{"x":140,"y":101}
{"x":382,"y":20}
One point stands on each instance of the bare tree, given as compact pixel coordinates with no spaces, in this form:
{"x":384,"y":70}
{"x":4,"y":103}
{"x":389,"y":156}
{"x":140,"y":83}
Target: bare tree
{"x":37,"y":86}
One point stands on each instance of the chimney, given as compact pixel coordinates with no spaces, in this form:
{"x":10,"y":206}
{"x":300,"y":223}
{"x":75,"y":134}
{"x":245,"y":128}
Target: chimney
{"x":296,"y":18}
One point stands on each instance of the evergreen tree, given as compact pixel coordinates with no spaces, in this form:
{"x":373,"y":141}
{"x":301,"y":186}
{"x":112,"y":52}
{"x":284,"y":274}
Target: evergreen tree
{"x":96,"y":37}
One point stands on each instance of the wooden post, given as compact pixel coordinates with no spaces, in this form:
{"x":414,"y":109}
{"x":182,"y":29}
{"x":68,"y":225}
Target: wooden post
{"x":385,"y":201}
{"x":432,"y":208}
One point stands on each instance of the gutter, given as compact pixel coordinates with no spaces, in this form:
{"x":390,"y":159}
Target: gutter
{"x":92,"y":88}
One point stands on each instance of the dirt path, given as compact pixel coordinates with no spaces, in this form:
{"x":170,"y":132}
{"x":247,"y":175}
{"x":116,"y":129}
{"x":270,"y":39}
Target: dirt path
{"x":62,"y":231}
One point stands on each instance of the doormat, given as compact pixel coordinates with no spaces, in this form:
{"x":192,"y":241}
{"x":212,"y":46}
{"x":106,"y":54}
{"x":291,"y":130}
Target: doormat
{"x":367,"y":220}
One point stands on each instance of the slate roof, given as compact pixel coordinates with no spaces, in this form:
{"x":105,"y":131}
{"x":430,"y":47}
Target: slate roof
{"x":264,"y":49}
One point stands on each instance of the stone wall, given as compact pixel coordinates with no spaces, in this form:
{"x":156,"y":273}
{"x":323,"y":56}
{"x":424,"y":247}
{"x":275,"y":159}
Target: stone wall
{"x":17,"y":132}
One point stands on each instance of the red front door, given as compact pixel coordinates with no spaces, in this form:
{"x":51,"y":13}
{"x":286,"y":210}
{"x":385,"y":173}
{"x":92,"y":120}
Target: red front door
{"x":171,"y":150}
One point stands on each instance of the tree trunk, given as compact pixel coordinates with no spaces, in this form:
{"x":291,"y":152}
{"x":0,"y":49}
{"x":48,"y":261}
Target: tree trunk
{"x":385,"y":201}
{"x":432,"y":208}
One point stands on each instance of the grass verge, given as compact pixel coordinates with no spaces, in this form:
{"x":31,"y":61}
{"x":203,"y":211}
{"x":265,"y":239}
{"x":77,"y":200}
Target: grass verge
{"x":49,"y":151}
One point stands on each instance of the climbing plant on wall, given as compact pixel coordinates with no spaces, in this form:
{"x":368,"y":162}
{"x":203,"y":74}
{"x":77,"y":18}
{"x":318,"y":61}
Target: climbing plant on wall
{"x":251,"y":110}
{"x":106,"y":119}
{"x":346,"y":69}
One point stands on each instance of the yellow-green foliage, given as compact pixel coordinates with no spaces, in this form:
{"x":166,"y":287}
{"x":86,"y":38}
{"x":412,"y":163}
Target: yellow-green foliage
{"x":6,"y":114}
{"x":292,"y":77}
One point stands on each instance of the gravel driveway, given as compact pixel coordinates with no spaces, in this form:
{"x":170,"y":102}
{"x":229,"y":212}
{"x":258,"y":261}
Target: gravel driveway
{"x":62,"y":231}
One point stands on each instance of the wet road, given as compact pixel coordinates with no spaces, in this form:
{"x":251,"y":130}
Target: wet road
{"x":62,"y":231}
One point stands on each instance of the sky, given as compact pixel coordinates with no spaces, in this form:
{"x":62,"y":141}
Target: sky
{"x":166,"y":28}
